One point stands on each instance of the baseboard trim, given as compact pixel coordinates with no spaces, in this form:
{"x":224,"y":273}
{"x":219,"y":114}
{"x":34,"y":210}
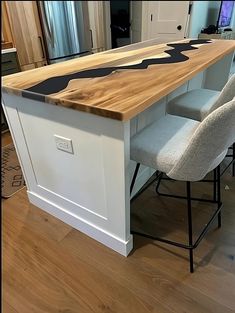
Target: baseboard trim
{"x":107,"y":239}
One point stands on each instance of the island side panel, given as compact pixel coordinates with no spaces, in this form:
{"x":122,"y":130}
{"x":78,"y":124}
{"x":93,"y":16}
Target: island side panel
{"x":88,"y":189}
{"x":217,"y":75}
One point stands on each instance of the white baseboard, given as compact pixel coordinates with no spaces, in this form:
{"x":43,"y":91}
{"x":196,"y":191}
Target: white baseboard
{"x":116,"y":244}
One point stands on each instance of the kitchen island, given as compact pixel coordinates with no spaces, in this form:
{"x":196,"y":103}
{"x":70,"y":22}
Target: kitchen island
{"x":72,"y":122}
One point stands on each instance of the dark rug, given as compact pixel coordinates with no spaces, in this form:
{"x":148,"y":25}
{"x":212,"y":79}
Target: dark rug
{"x":12,"y":176}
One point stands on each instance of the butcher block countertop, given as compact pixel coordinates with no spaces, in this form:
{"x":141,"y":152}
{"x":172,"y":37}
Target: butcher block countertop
{"x":119,"y":83}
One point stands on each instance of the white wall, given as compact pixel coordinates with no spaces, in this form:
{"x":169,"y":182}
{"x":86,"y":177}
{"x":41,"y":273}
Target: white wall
{"x":213,"y":12}
{"x":199,"y":18}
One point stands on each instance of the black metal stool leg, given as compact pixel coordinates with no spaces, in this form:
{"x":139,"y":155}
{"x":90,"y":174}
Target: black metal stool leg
{"x":190,"y":227}
{"x":218,"y":195}
{"x":134,"y":176}
{"x":214,"y":184}
{"x":158,"y":182}
{"x":233,"y":169}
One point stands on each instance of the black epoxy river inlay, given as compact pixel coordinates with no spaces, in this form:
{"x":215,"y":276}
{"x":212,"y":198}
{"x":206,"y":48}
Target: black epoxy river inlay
{"x":58,"y":83}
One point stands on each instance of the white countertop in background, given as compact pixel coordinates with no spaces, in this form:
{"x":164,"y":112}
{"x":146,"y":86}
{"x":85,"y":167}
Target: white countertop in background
{"x":8,"y":50}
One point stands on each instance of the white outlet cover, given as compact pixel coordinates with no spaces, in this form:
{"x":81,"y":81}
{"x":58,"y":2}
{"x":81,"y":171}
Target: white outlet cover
{"x":64,"y":144}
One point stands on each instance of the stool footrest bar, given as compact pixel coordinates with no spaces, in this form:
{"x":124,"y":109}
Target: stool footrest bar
{"x":178,"y":244}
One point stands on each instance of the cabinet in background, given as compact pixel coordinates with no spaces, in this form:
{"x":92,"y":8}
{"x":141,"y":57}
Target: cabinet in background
{"x":6,"y":28}
{"x":27,"y":33}
{"x":9,"y":65}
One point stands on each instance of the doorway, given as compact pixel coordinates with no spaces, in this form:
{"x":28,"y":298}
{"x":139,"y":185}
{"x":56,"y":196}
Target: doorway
{"x":120,"y":23}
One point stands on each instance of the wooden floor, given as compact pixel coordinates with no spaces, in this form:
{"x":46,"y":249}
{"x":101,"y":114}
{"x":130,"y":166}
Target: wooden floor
{"x":49,"y":267}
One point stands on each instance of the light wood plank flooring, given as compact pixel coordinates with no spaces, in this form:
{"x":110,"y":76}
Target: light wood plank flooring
{"x":48,"y":267}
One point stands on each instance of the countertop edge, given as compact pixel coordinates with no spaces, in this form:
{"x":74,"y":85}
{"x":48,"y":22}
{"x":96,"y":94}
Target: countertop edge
{"x":130,"y":113}
{"x":82,"y":107}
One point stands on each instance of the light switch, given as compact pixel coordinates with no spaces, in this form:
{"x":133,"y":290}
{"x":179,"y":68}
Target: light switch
{"x":64,"y":144}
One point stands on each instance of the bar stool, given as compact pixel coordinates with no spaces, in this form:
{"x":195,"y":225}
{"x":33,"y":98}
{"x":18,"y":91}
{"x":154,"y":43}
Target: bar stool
{"x":198,"y":103}
{"x":186,"y":150}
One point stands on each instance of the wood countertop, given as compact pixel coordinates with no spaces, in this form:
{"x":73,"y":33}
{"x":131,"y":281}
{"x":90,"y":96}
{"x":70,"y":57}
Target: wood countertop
{"x":119,"y":83}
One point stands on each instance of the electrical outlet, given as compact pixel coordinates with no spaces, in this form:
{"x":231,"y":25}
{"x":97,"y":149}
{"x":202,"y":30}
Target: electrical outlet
{"x":63,"y":144}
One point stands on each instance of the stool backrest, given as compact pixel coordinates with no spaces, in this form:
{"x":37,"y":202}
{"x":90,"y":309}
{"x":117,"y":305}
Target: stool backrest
{"x":226,"y":94}
{"x":208,"y":145}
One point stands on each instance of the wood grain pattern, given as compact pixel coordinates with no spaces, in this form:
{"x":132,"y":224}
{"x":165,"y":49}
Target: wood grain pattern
{"x":26,"y":30}
{"x":124,"y":92}
{"x":7,"y":45}
{"x":6,"y":29}
{"x":50,"y":267}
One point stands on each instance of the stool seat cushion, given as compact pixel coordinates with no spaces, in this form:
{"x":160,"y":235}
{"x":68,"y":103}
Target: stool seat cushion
{"x":186,"y":149}
{"x":161,"y":144}
{"x":195,"y":104}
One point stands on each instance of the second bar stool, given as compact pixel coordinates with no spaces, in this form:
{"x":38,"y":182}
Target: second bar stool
{"x":186,"y":150}
{"x":198,"y":103}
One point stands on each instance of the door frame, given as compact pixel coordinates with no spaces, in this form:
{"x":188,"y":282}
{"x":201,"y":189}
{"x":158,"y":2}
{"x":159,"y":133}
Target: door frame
{"x":107,"y":23}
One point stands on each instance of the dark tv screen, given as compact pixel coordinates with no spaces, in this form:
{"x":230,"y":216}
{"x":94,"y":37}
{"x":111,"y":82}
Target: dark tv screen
{"x":226,"y":11}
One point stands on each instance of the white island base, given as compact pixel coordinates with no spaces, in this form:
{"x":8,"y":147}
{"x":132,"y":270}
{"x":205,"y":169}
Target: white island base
{"x":89,"y":188}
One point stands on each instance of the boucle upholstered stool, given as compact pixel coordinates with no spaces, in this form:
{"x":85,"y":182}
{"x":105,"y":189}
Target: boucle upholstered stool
{"x":198,"y":103}
{"x":186,"y":150}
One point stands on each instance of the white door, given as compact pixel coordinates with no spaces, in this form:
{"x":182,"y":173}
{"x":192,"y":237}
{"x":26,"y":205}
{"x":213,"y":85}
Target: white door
{"x":165,"y":19}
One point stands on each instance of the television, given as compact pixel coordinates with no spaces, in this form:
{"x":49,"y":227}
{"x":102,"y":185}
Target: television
{"x":225,"y":13}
